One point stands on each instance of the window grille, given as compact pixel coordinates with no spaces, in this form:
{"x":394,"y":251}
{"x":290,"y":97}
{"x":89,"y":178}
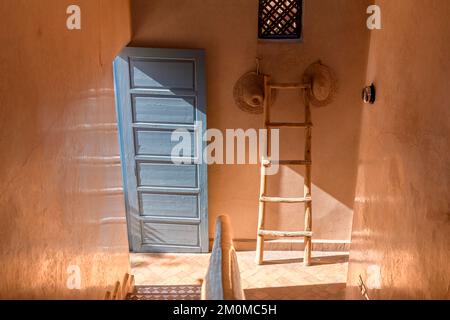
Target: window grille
{"x":280,"y":19}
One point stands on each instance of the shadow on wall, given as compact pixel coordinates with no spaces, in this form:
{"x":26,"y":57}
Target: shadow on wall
{"x":289,"y":181}
{"x":228,"y":33}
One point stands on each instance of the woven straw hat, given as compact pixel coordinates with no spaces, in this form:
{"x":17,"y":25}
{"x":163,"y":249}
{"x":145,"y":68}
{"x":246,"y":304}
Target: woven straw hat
{"x":323,"y":84}
{"x":248,"y":93}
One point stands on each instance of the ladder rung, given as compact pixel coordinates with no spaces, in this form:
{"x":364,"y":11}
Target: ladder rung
{"x":267,"y":163}
{"x":285,"y":200}
{"x":294,"y":162}
{"x":290,"y":85}
{"x":289,"y":125}
{"x":285,"y":233}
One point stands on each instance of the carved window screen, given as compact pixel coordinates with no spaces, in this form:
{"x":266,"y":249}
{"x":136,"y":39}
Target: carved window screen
{"x":280,"y":19}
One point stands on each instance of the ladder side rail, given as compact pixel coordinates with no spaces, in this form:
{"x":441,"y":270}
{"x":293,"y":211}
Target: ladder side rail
{"x":265,"y":147}
{"x":307,"y":183}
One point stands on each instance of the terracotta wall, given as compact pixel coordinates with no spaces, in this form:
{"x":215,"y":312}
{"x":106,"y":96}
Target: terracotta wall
{"x":334,"y":31}
{"x":60,"y":180}
{"x":400,"y":239}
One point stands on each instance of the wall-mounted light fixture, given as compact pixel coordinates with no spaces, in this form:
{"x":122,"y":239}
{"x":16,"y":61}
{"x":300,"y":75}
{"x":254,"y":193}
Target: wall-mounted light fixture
{"x":368,"y":94}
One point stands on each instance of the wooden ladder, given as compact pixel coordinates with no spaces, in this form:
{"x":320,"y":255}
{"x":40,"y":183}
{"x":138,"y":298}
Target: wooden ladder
{"x":266,"y":162}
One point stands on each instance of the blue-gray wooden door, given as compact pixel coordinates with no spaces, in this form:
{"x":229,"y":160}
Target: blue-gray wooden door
{"x":158,"y":91}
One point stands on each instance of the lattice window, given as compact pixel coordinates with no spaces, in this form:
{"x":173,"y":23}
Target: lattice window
{"x":280,"y":19}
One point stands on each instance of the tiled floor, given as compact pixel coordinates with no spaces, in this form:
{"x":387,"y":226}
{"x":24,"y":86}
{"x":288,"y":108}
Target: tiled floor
{"x":281,"y":277}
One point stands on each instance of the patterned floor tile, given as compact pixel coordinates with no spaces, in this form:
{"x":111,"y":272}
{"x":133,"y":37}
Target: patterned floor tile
{"x":173,"y":292}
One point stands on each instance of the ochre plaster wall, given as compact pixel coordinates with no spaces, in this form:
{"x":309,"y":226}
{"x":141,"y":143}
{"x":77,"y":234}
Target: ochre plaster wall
{"x":59,"y":202}
{"x":335,"y":32}
{"x":401,"y":228}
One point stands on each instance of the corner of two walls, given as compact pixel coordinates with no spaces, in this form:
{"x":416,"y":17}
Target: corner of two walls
{"x":61,"y":204}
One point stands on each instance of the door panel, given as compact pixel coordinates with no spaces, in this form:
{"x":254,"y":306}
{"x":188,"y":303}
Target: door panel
{"x":158,"y":91}
{"x":171,"y":74}
{"x":173,"y":110}
{"x":170,"y":234}
{"x":169,"y":205}
{"x":156,"y":142}
{"x":167,"y":175}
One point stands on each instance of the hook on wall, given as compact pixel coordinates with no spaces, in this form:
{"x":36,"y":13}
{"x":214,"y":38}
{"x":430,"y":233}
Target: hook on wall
{"x":258,"y":68}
